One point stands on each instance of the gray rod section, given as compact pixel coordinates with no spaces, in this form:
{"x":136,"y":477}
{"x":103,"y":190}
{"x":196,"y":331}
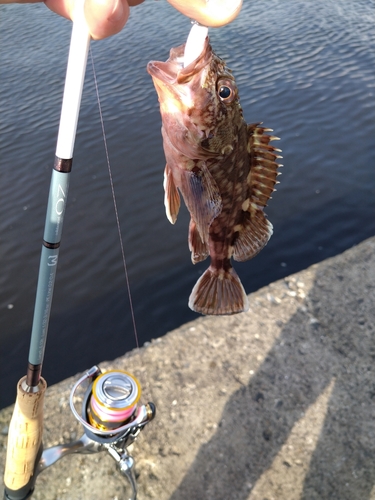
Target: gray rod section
{"x":49,"y":257}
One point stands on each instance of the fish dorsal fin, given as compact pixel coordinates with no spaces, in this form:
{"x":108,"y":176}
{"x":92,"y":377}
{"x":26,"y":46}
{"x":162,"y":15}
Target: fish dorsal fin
{"x":256,"y":230}
{"x":171,"y":196}
{"x":202,"y":197}
{"x":263,"y":165}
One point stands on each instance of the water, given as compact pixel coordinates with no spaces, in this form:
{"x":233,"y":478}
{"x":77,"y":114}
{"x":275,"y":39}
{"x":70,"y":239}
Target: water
{"x":304,"y":68}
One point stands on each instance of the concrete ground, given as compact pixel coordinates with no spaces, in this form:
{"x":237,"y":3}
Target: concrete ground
{"x":273,"y":404}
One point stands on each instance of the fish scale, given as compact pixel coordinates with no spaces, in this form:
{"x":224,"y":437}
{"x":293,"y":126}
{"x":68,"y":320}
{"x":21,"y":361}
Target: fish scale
{"x":224,"y":169}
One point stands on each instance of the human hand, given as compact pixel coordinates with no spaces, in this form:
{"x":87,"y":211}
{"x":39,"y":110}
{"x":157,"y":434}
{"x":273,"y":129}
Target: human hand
{"x":107,"y":17}
{"x":104,"y":17}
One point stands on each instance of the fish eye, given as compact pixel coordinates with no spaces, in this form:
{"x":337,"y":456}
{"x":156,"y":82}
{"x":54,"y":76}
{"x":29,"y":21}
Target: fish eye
{"x":226,"y":90}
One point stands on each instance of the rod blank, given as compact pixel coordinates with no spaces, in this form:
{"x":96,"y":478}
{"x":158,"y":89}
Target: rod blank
{"x":26,"y":427}
{"x":75,"y":75}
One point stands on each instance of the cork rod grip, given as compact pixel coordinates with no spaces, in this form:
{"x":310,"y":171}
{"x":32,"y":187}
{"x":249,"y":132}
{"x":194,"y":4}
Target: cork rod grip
{"x":25,"y":436}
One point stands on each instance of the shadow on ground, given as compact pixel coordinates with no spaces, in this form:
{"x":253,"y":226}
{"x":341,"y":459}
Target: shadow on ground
{"x":324,"y":356}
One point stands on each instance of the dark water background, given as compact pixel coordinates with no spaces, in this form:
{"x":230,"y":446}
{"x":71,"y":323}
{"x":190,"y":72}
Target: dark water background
{"x":306,"y":69}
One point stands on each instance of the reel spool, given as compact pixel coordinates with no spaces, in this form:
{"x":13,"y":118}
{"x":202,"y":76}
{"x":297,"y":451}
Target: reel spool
{"x":109,"y":407}
{"x":114,"y":398}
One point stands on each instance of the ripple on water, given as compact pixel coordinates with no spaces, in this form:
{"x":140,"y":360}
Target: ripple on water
{"x":307,"y":71}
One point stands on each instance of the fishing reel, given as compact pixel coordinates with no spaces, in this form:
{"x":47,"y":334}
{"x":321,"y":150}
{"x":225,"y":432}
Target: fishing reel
{"x":111,"y":419}
{"x":109,"y":412}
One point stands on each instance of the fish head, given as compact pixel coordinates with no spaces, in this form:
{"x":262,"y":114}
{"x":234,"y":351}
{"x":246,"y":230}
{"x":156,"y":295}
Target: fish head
{"x":199,"y":103}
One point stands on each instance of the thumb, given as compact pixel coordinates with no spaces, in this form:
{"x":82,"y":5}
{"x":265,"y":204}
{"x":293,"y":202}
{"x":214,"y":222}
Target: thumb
{"x":106,"y":17}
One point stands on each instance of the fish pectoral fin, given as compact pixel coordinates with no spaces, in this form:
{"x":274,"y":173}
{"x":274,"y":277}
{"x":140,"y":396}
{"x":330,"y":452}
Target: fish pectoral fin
{"x":253,"y":236}
{"x":198,"y":248}
{"x":171,"y":196}
{"x":219,"y":292}
{"x":263,"y":164}
{"x":202,"y":197}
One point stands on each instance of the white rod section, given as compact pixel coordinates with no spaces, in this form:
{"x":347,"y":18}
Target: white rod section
{"x":75,"y":76}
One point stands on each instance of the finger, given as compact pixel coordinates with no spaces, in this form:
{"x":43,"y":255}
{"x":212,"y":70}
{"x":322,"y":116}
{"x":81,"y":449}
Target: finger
{"x":106,"y":17}
{"x":212,"y":13}
{"x":63,"y":8}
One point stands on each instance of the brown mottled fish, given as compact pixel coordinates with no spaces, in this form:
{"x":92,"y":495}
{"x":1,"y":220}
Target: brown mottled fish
{"x":225,"y":170}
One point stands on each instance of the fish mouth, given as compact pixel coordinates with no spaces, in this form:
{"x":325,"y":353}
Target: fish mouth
{"x":180,"y":90}
{"x":173,"y":72}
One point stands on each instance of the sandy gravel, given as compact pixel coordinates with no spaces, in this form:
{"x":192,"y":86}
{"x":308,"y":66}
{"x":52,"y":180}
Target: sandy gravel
{"x":273,"y":404}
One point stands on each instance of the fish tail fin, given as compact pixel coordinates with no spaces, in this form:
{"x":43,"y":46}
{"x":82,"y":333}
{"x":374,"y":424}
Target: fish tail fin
{"x":218,"y":292}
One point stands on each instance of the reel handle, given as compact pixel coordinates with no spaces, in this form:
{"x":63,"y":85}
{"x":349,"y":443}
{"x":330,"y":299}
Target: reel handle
{"x":24,"y":440}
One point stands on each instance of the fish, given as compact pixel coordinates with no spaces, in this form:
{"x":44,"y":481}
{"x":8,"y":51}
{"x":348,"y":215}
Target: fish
{"x":224,"y":168}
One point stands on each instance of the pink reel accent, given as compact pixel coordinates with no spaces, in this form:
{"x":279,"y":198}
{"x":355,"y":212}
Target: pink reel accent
{"x":111,"y":415}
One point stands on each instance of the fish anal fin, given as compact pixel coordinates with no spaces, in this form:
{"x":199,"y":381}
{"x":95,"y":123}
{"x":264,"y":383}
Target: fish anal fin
{"x":171,"y":196}
{"x":218,"y":292}
{"x":198,"y":248}
{"x":254,"y":234}
{"x":263,"y":164}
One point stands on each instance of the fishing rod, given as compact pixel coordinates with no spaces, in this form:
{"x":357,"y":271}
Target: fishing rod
{"x":110,"y":414}
{"x":26,"y":427}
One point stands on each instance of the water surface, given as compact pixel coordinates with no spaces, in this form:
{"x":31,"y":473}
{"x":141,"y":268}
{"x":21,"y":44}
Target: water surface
{"x":305,"y":69}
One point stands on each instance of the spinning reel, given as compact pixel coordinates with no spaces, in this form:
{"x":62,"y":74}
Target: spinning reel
{"x":111,"y":420}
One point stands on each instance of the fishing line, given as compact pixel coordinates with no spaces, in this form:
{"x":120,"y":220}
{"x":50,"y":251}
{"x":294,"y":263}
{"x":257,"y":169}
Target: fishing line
{"x":146,"y":386}
{"x":119,"y":225}
{"x":115,"y":203}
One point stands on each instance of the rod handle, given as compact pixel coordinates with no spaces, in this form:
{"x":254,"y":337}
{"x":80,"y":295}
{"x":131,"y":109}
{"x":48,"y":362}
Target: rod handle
{"x":25,"y":435}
